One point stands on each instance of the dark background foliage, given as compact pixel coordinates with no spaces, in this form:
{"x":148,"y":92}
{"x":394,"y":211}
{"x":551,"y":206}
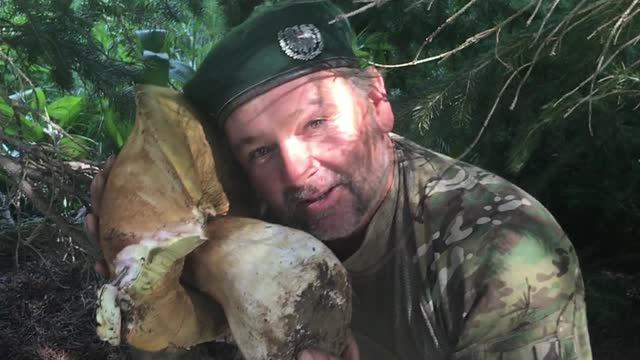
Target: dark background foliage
{"x":546,"y":95}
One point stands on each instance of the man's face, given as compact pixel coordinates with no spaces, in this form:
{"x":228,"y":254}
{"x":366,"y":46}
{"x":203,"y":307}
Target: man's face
{"x":317,"y":150}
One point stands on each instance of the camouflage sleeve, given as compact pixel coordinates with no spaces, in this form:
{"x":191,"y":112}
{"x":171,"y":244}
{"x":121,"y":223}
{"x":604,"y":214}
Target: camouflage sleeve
{"x":505,"y":283}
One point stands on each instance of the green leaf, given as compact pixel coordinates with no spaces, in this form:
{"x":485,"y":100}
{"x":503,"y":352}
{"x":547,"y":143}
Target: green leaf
{"x":10,"y":130}
{"x":31,"y":130}
{"x":66,"y":109}
{"x":110,"y":124}
{"x":101,"y":33}
{"x":73,"y":149}
{"x":5,"y":109}
{"x":19,"y":20}
{"x":38,"y":100}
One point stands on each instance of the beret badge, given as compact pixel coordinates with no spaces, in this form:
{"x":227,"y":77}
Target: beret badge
{"x":301,"y":42}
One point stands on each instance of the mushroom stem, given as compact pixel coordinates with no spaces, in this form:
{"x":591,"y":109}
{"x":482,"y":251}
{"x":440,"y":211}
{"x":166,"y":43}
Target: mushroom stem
{"x":282,"y":290}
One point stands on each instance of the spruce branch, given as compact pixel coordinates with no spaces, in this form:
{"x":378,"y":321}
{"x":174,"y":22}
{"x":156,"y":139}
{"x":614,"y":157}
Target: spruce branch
{"x":371,"y":4}
{"x":544,"y":21}
{"x":468,"y":42}
{"x":541,"y":47}
{"x":534,"y":13}
{"x":590,"y":14}
{"x":595,"y":74}
{"x":624,"y":18}
{"x":447,"y":22}
{"x":599,"y":28}
{"x":612,"y":39}
{"x":493,"y":109}
{"x":497,"y":55}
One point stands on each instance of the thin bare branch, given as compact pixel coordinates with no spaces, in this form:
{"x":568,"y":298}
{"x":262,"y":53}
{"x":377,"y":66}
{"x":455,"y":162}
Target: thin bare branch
{"x":625,"y":21}
{"x":17,"y":173}
{"x":541,"y":47}
{"x":599,"y":28}
{"x":353,"y":13}
{"x":451,"y":19}
{"x":468,"y":42}
{"x":534,"y":13}
{"x":631,"y":42}
{"x":599,"y":97}
{"x":544,"y":22}
{"x":613,"y":33}
{"x":493,"y":109}
{"x":571,"y":27}
{"x":32,"y":171}
{"x":497,"y":55}
{"x":601,"y":58}
{"x":624,"y":18}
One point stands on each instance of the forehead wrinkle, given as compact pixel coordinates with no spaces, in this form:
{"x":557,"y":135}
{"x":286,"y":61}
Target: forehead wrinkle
{"x":306,"y":101}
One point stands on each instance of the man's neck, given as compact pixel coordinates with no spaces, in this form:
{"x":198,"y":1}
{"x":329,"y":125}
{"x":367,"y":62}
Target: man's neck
{"x":345,"y":247}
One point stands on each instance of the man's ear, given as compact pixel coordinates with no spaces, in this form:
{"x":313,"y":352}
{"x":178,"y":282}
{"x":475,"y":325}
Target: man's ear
{"x":378,"y":98}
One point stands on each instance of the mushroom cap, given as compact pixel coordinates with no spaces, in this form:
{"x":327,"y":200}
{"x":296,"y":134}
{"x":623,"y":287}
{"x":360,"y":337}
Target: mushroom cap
{"x":162,"y":188}
{"x":164,"y":180}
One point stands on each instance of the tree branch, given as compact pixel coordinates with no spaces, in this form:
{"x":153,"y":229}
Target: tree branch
{"x":451,"y":19}
{"x":493,"y":109}
{"x":357,"y":11}
{"x":17,"y":173}
{"x":468,"y":42}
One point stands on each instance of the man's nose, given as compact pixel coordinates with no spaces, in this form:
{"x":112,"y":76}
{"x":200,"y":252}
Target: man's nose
{"x":297,"y":162}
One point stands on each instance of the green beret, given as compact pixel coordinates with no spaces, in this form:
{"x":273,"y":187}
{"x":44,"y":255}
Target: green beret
{"x":274,"y":45}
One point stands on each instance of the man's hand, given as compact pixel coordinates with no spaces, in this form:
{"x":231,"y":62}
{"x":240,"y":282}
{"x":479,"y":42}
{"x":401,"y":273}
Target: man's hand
{"x":351,"y":352}
{"x":92,"y":220}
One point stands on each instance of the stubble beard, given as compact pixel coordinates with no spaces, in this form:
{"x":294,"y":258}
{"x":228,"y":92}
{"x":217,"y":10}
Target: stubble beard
{"x":315,"y":224}
{"x":365,"y":192}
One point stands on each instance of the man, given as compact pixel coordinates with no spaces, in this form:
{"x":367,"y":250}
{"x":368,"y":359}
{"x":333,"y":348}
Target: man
{"x":447,"y":261}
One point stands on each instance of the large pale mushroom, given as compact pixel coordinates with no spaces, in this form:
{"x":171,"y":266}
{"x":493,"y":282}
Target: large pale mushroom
{"x":170,"y":213}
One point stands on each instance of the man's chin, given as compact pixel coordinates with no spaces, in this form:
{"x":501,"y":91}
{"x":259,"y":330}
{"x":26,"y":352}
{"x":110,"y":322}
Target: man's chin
{"x":327,"y":231}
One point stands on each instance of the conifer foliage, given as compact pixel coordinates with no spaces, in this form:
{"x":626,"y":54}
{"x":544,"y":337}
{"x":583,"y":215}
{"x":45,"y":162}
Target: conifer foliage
{"x":543,"y":92}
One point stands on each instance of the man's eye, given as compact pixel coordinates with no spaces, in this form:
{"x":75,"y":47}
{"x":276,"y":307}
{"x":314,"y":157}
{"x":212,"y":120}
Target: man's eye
{"x":260,"y":152}
{"x":314,"y":124}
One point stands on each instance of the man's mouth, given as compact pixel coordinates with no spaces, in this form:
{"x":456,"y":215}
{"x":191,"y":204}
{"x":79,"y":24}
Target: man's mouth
{"x":317,"y":199}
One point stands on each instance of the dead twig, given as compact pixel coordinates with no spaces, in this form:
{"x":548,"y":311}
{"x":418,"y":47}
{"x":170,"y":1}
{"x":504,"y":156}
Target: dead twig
{"x":625,"y":19}
{"x":534,"y":13}
{"x":451,"y":19}
{"x":4,"y":210}
{"x":497,"y":55}
{"x":20,"y":176}
{"x":354,"y":12}
{"x":468,"y":42}
{"x":604,"y":65}
{"x":493,"y":109}
{"x":599,"y":67}
{"x":544,"y":21}
{"x":541,"y":47}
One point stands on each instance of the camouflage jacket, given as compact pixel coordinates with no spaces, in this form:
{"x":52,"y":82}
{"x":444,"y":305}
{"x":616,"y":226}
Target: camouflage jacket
{"x":458,"y":263}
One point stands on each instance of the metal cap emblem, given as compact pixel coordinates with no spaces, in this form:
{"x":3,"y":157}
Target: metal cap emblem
{"x":301,"y":42}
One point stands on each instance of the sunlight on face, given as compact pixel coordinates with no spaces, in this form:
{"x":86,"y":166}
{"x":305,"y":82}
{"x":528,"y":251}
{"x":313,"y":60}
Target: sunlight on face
{"x":343,"y":96}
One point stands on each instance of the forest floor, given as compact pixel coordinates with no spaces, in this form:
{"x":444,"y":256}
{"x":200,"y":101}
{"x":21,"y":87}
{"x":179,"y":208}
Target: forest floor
{"x":47,"y":310}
